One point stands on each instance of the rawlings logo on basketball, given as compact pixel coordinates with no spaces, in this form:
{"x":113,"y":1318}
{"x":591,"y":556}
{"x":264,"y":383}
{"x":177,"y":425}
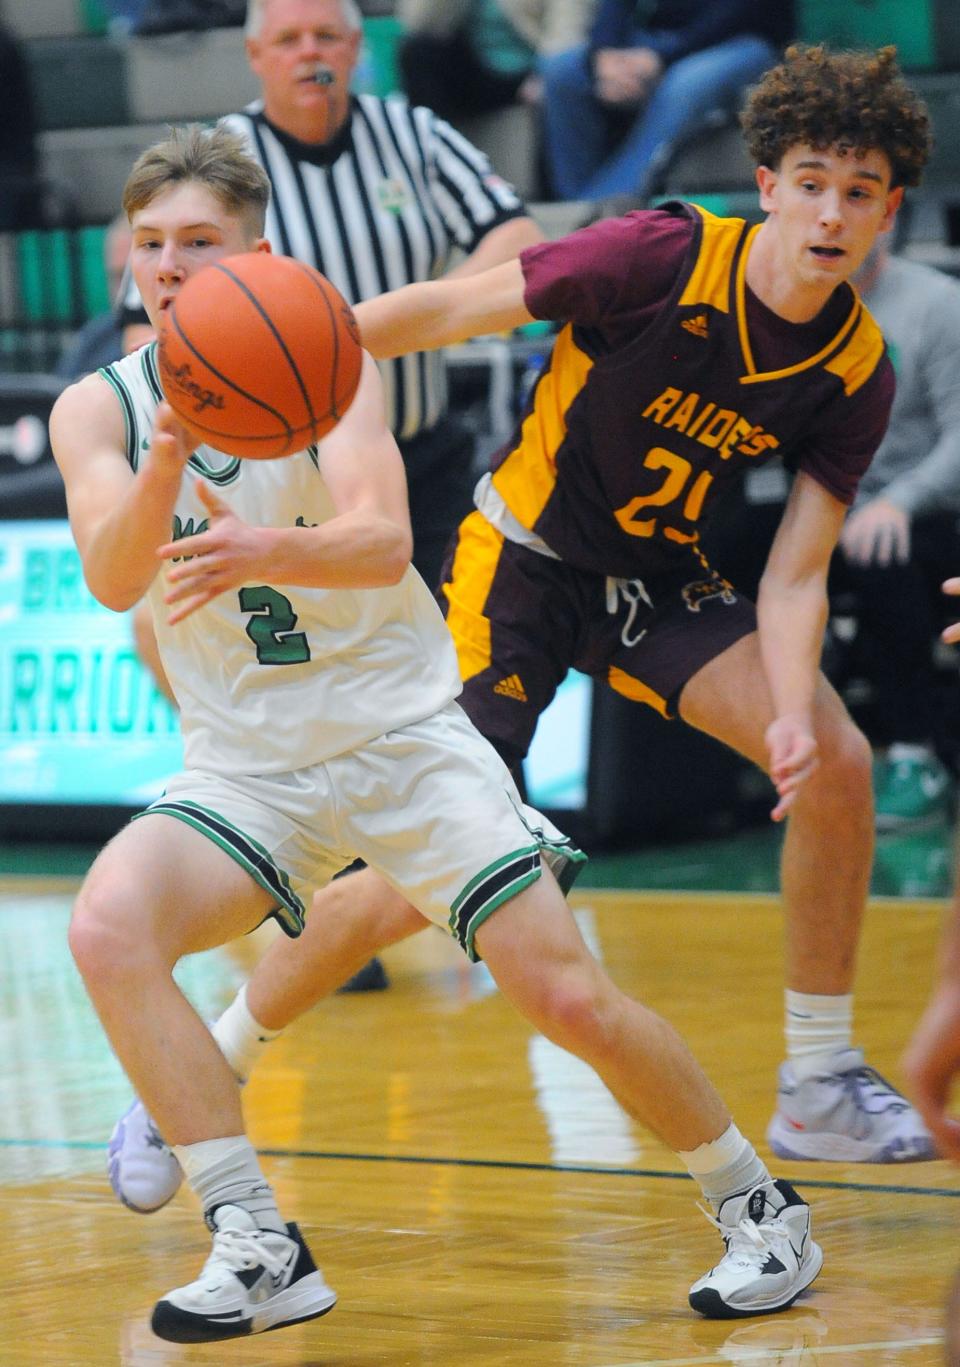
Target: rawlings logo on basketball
{"x":702,"y":589}
{"x":179,"y":377}
{"x":259,"y":355}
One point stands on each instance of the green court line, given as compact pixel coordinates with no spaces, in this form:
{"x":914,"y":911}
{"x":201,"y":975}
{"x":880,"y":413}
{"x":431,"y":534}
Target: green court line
{"x":495,"y":1164}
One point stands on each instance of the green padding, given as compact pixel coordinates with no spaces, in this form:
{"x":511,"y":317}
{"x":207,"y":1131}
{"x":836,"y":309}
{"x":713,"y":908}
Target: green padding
{"x":93,"y":16}
{"x":381,"y":36}
{"x":729,"y":204}
{"x":54,"y":289}
{"x":43,"y":258}
{"x":95,"y":290}
{"x":909,"y":24}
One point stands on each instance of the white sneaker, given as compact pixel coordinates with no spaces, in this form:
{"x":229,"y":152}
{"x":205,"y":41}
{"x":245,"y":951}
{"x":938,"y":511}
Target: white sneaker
{"x":254,"y":1279}
{"x":849,"y":1114}
{"x":770,"y":1256}
{"x":144,"y":1171}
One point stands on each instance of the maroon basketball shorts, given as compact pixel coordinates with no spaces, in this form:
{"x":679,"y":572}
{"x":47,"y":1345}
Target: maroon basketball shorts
{"x":520,"y":620}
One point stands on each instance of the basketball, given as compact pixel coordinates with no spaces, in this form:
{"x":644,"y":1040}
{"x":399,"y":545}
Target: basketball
{"x":259,"y":355}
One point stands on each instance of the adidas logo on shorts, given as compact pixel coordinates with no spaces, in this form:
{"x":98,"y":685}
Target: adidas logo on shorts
{"x":511,"y":687}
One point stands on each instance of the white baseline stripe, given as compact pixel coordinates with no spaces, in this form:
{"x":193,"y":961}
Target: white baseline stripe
{"x":777,"y":1354}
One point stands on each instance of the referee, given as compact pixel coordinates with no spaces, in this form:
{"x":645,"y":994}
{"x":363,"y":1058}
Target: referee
{"x":376,"y":194}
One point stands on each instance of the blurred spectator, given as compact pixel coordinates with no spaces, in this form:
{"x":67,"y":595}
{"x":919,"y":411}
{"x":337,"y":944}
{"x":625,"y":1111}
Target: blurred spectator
{"x":463,"y":57}
{"x":646,"y":79}
{"x":123,"y":16}
{"x":177,"y":16}
{"x":18,"y":134}
{"x":118,"y":331}
{"x":900,"y":539}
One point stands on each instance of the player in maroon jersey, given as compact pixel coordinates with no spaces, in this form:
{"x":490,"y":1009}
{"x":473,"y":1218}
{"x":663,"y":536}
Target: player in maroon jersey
{"x":692,"y":348}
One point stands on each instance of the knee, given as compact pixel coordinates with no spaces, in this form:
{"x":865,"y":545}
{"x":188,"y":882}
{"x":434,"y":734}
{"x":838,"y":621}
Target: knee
{"x":573,"y":1010}
{"x":101,"y":937}
{"x":846,"y":765}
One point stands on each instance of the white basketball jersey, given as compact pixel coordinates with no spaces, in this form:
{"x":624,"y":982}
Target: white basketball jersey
{"x":275,"y":678}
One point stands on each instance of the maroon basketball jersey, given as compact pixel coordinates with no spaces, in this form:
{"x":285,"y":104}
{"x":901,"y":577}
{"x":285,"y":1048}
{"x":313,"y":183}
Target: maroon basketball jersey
{"x":628,"y":443}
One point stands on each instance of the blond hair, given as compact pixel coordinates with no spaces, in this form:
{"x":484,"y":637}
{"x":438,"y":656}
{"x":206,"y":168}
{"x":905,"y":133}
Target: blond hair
{"x":213,"y":157}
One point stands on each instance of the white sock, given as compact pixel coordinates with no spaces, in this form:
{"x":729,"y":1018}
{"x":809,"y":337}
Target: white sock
{"x":241,"y":1037}
{"x":815,"y":1028}
{"x":226,"y":1172}
{"x":725,"y":1166}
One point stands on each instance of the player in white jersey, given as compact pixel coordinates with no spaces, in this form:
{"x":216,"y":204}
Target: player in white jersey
{"x":370,"y":640}
{"x":296,"y":764}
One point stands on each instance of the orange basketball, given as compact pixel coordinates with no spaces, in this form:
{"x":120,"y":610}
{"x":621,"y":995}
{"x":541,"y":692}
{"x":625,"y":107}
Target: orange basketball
{"x":259,"y":355}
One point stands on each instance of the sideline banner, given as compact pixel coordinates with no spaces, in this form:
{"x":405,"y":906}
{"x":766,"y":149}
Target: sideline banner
{"x":81,"y":720}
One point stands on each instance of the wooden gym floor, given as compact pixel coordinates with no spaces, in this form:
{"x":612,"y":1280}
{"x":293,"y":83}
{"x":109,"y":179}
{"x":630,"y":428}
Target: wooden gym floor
{"x":474,"y":1195}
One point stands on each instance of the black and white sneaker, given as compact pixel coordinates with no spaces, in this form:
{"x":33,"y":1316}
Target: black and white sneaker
{"x":770,"y":1256}
{"x":254,"y":1279}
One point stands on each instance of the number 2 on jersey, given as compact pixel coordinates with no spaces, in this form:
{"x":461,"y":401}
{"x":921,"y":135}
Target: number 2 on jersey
{"x":271,"y":627}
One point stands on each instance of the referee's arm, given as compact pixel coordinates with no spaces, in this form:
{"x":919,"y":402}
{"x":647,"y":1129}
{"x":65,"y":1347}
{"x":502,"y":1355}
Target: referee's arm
{"x":502,"y":243}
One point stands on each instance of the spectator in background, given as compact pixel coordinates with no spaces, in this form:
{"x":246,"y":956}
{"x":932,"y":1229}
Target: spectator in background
{"x":463,"y":57}
{"x":121,"y":329}
{"x":900,"y":539}
{"x":649,"y":74}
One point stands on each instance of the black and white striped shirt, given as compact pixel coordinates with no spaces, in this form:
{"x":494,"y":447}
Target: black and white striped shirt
{"x":382,"y":205}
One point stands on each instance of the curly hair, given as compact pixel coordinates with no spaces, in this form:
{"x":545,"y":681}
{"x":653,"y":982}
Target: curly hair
{"x":857,"y":100}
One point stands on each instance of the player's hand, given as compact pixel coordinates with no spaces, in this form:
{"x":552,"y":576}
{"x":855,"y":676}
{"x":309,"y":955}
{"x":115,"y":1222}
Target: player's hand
{"x":171,"y":444}
{"x":229,"y":552}
{"x":932,"y":1062}
{"x":878,"y":534}
{"x":793,"y":758}
{"x":625,"y":76}
{"x":951,"y":634}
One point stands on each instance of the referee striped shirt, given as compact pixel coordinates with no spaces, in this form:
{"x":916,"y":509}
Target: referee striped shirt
{"x":382,"y":205}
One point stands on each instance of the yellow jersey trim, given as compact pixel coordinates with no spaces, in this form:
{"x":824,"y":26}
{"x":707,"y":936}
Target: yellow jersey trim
{"x":709,"y":281}
{"x":632,"y":688}
{"x":527,"y":477}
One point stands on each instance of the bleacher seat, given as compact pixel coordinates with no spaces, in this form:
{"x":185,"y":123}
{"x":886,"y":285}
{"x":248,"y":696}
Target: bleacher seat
{"x":43,"y":18}
{"x":78,"y":82}
{"x":96,"y":162}
{"x":510,"y":138}
{"x":184,"y":76}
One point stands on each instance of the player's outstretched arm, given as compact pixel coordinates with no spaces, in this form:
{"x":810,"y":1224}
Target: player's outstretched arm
{"x":118,"y":518}
{"x":438,"y":313}
{"x":500,"y":244}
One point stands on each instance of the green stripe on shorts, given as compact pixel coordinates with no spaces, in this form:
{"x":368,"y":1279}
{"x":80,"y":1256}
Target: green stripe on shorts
{"x":247,"y":852}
